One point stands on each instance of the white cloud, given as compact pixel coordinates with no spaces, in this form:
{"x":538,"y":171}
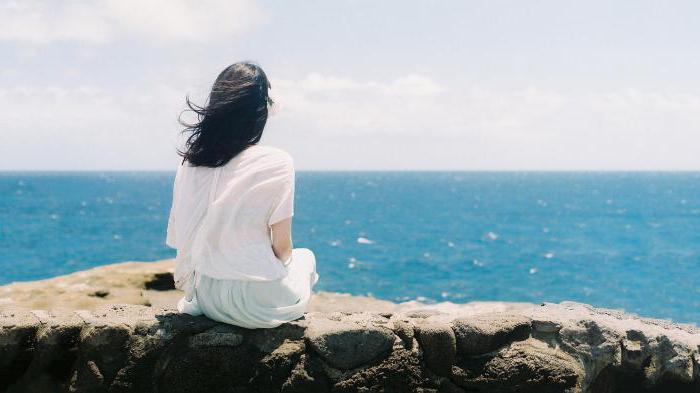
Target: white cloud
{"x":346,"y":106}
{"x":88,"y":128}
{"x":409,"y":104}
{"x":472,"y":127}
{"x":410,"y":85}
{"x":100,"y":21}
{"x":340,"y":123}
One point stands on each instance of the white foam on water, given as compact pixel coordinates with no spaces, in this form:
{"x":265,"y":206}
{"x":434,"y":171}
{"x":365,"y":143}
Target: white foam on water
{"x":491,"y":236}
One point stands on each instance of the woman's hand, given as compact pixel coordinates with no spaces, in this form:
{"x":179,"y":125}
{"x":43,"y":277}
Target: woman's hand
{"x":281,"y":233}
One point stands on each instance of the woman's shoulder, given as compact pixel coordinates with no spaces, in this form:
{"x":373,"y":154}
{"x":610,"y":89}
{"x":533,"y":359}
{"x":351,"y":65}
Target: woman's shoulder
{"x":272,"y":153}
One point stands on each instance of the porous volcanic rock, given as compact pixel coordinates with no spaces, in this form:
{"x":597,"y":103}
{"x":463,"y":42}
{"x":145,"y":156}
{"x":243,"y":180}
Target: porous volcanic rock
{"x":98,"y":346}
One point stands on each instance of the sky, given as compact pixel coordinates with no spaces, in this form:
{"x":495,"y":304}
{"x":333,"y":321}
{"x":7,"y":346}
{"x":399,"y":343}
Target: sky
{"x":360,"y":85}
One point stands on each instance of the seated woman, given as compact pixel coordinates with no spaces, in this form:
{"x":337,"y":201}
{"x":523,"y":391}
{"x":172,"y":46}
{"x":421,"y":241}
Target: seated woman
{"x":231,"y":217}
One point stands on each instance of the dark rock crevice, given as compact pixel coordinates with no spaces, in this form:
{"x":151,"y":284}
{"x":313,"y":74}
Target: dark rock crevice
{"x":17,"y":347}
{"x":614,"y":379}
{"x":161,"y":282}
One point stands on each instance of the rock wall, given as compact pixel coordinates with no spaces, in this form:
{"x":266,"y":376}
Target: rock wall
{"x":566,"y":347}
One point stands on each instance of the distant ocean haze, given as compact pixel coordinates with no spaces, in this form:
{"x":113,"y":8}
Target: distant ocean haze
{"x":618,"y":240}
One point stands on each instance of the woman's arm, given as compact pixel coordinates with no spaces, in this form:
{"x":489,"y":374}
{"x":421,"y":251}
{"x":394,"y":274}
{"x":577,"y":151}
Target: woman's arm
{"x":281,"y":233}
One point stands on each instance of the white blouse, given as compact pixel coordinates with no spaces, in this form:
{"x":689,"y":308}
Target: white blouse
{"x":220,"y":217}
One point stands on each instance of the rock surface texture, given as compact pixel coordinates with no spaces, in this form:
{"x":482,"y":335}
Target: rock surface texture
{"x":476,"y":347}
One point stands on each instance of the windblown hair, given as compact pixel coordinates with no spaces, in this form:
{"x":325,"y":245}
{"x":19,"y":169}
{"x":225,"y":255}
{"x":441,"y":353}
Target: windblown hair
{"x":232,"y":119}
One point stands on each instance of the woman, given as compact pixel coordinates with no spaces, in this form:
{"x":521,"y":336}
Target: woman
{"x":231,"y":218}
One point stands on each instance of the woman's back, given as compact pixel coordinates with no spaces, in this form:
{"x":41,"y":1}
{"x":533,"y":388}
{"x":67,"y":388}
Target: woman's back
{"x":220,"y":216}
{"x":220,"y":223}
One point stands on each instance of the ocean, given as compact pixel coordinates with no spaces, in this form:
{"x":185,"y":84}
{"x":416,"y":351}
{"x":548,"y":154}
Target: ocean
{"x":628,"y":241}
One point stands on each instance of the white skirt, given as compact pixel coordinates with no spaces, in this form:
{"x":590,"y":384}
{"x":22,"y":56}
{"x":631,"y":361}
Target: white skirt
{"x":257,"y":304}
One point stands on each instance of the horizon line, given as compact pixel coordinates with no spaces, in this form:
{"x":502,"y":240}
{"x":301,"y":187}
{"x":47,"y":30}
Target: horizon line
{"x":3,"y":171}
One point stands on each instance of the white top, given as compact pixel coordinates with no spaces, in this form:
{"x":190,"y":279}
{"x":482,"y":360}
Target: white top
{"x":220,"y":217}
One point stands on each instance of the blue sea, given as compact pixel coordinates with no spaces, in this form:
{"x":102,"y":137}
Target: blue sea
{"x":620,"y":240}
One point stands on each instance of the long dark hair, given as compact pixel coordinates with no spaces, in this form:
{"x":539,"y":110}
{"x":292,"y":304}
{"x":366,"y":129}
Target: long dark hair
{"x":232,"y":119}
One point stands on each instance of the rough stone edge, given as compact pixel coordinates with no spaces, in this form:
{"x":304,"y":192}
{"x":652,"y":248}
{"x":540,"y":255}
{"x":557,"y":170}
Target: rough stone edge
{"x":597,"y":337}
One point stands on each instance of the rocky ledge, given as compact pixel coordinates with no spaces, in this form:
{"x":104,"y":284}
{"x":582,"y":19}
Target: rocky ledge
{"x":410,"y":347}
